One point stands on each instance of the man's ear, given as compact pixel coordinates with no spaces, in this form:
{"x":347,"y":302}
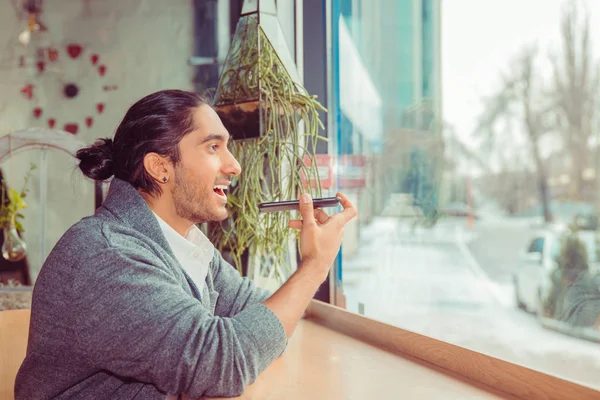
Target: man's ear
{"x":158,"y":167}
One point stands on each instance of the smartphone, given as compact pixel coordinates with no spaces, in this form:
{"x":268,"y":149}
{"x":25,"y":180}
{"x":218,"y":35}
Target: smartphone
{"x":294,"y":205}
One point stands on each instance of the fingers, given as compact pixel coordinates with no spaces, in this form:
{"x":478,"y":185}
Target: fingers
{"x":321,"y":216}
{"x":349,"y":211}
{"x":311,"y":216}
{"x":306,"y":209}
{"x":295,"y":224}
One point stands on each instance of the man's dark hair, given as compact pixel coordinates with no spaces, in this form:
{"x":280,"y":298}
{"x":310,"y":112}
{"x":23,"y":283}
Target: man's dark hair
{"x":155,"y":124}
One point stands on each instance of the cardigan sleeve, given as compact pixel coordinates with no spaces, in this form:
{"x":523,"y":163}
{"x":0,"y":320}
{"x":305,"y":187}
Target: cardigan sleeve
{"x":133,"y":318}
{"x":236,"y":293}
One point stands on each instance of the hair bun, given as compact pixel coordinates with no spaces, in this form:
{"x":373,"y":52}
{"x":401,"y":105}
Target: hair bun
{"x":96,"y":161}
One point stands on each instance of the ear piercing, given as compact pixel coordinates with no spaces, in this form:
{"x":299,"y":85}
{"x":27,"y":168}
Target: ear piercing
{"x":165,"y":179}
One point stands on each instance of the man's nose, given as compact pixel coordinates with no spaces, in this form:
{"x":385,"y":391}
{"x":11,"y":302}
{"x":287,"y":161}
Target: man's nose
{"x":232,"y":166}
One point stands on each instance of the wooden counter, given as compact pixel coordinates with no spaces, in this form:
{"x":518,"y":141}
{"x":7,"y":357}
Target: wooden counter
{"x":321,"y":363}
{"x":337,"y":355}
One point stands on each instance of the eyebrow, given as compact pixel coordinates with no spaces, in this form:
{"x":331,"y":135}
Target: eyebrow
{"x":215,"y":136}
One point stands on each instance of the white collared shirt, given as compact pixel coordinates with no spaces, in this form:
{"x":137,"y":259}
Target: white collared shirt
{"x":194,"y":251}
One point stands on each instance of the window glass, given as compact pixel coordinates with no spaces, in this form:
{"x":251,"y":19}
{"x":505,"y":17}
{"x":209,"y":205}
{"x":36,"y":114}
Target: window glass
{"x":462,"y":129}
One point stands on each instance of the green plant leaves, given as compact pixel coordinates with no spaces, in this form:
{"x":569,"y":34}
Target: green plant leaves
{"x":273,"y":165}
{"x":13,"y":202}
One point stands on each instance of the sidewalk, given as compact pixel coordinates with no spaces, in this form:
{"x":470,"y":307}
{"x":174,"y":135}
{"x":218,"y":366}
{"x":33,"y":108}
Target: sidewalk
{"x":423,"y":267}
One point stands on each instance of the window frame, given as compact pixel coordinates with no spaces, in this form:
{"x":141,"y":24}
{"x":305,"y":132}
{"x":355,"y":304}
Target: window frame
{"x":459,"y":361}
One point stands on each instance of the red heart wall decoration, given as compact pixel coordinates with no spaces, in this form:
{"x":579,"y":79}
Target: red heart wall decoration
{"x":74,"y":50}
{"x":71,"y":128}
{"x":27,"y":91}
{"x":52,"y":54}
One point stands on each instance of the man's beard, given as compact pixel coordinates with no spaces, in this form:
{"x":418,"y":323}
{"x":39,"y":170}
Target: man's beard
{"x":190,"y":202}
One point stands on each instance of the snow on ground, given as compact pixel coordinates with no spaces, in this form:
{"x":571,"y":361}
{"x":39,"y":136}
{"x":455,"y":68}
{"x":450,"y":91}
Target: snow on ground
{"x":428,"y":282}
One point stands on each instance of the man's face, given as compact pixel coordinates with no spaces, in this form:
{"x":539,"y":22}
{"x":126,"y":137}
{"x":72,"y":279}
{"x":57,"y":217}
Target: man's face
{"x":204,"y":170}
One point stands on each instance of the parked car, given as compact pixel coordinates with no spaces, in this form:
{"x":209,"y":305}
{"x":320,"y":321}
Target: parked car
{"x":533,"y":276}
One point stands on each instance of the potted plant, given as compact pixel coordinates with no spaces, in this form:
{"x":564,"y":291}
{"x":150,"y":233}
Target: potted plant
{"x":13,"y":246}
{"x":275,"y":126}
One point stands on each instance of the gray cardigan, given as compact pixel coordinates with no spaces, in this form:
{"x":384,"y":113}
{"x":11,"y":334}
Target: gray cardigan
{"x":114,"y":316}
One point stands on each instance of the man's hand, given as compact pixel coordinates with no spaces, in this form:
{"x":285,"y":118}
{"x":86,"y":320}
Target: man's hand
{"x":321,"y":235}
{"x":320,"y":241}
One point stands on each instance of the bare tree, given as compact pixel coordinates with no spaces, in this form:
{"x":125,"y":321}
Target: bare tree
{"x":518,"y":106}
{"x":576,"y":83}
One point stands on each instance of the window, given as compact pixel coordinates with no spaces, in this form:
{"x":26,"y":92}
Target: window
{"x":455,"y":183}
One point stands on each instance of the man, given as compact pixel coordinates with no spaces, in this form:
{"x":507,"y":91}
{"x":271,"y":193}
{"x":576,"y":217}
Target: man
{"x":134,"y":302}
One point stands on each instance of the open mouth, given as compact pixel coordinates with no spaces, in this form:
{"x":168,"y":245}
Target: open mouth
{"x":220,"y":190}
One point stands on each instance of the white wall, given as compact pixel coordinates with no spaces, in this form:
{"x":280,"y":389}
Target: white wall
{"x":144,"y":45}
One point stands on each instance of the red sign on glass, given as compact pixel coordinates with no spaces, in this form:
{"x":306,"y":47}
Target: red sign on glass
{"x":352,"y":171}
{"x":324,"y":170}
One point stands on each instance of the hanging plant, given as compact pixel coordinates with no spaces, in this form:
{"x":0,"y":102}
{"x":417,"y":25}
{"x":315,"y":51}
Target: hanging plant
{"x":275,"y":126}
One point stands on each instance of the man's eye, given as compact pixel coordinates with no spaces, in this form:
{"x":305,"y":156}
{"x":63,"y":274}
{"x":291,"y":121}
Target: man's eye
{"x":214,"y":147}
